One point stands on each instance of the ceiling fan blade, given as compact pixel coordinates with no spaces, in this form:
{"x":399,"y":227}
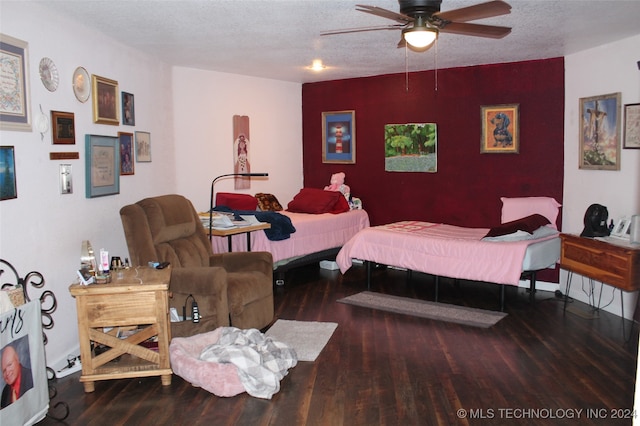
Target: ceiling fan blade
{"x":478,"y":11}
{"x":478,"y":30}
{"x":363,"y":29}
{"x":384,"y":13}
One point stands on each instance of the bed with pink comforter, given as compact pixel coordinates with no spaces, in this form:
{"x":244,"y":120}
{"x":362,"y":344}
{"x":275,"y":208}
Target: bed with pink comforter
{"x":452,"y":251}
{"x":314,"y":233}
{"x":439,"y":249}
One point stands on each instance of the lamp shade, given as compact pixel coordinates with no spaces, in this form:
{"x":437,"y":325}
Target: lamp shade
{"x":420,"y":36}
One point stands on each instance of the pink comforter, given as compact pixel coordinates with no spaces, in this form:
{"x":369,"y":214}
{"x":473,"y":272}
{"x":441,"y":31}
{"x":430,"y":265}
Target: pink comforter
{"x":438,"y":249}
{"x":314,"y":233}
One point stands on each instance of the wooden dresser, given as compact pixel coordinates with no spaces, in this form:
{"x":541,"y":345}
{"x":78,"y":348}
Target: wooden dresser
{"x":610,"y":263}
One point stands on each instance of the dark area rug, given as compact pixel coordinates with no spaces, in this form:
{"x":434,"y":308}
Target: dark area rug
{"x":420,"y":308}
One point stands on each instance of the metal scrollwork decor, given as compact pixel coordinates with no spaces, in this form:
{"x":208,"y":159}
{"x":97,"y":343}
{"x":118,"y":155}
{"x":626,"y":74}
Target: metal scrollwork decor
{"x":10,"y":279}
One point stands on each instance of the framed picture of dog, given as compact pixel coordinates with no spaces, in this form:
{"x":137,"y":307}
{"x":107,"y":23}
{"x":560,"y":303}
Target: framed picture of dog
{"x":500,"y":129}
{"x":600,"y":132}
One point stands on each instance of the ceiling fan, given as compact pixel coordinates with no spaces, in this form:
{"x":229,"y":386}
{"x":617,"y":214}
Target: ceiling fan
{"x":421,"y":21}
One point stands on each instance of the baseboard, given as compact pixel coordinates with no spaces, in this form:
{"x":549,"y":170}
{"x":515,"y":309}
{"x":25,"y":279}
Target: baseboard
{"x":540,"y":285}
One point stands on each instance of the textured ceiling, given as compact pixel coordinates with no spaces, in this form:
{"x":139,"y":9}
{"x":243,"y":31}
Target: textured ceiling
{"x":278,"y":39}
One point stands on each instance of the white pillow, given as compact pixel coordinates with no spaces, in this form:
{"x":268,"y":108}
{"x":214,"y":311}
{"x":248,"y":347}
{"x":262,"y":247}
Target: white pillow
{"x":543,"y":231}
{"x":517,"y":208}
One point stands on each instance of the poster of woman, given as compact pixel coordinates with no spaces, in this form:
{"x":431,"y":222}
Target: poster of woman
{"x":241,"y":163}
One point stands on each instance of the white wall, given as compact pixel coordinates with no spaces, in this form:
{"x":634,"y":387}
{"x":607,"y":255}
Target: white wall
{"x":606,"y":69}
{"x":204,"y":105}
{"x":43,"y":230}
{"x":189,"y":115}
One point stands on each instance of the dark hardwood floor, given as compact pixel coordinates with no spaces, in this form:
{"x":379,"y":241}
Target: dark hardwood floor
{"x":537,"y":366}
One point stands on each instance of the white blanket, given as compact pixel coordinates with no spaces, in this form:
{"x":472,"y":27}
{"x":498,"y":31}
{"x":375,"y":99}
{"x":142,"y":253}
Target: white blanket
{"x":261,"y":361}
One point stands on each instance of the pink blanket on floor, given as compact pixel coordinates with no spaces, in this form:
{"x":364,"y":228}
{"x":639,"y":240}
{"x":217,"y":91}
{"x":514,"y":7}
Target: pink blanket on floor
{"x":438,"y":249}
{"x":314,"y":233}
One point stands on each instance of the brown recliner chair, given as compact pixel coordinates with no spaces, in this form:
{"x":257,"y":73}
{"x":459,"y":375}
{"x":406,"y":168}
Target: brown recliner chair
{"x":230,"y":288}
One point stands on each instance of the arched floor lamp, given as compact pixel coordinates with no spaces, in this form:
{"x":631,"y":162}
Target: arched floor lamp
{"x":211,"y":198}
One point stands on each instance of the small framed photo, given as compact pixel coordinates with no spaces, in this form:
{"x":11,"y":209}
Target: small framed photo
{"x":8,"y":188}
{"x":339,"y":137}
{"x":500,"y":129}
{"x":126,"y":153}
{"x":102,"y":165}
{"x":621,"y":228}
{"x":105,"y":100}
{"x":600,"y":132}
{"x":632,"y":126}
{"x":15,"y":108}
{"x":85,"y":276}
{"x":63,"y":128}
{"x":128,"y":109}
{"x":143,"y":147}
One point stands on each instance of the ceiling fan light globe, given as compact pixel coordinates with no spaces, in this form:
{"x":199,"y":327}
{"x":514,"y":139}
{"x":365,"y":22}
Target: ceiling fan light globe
{"x":420,"y":37}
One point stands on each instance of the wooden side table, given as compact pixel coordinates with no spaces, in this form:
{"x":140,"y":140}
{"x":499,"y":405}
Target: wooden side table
{"x":137,"y":301}
{"x":615,"y":264}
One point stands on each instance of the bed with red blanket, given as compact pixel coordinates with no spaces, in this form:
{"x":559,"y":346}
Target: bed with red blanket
{"x":525,"y":242}
{"x":322,"y":220}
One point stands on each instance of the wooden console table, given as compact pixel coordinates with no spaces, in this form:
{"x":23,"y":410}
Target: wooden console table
{"x":137,"y":301}
{"x":614,"y":264}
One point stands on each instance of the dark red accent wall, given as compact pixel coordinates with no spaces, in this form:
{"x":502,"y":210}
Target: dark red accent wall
{"x":467,"y":187}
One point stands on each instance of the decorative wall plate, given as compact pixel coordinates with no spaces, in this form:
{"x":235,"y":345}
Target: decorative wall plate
{"x":81,"y":84}
{"x":42,"y":123}
{"x":49,"y":74}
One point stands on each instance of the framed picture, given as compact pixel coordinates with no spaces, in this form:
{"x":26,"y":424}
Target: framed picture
{"x":600,"y":132}
{"x":15,"y":108}
{"x":411,"y":147}
{"x":8,"y":188}
{"x":128,"y":110}
{"x":143,"y":147}
{"x":102,"y":165}
{"x":632,"y":126}
{"x":126,"y":153}
{"x":339,"y":137}
{"x":63,"y":128}
{"x":621,"y":228}
{"x":105,"y":103}
{"x":500,"y":129}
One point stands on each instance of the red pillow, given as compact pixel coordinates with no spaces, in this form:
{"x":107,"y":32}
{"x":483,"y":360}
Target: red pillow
{"x":527,"y":224}
{"x":236,"y":201}
{"x":341,"y":205}
{"x":316,"y":201}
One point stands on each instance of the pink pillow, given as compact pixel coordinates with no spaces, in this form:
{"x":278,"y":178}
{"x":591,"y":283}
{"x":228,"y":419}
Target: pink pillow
{"x":316,"y":201}
{"x":517,"y":208}
{"x":236,"y":201}
{"x":219,"y":379}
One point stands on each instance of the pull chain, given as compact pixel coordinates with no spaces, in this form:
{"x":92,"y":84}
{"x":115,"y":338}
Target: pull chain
{"x":406,"y":67}
{"x":436,"y":60}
